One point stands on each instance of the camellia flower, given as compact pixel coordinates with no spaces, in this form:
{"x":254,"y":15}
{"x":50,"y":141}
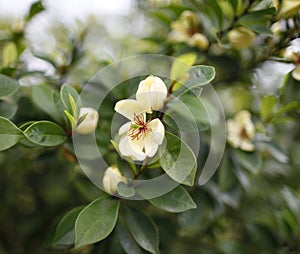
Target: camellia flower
{"x":151,"y":93}
{"x":112,"y":177}
{"x":241,"y":131}
{"x":292,"y":53}
{"x":139,"y":138}
{"x":90,"y":122}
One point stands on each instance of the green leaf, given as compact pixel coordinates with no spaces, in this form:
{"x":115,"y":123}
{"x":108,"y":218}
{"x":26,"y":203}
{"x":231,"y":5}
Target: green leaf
{"x":9,"y":134}
{"x":125,"y":191}
{"x":199,"y":75}
{"x":8,"y":86}
{"x":226,"y":178}
{"x":234,"y":4}
{"x":143,"y":229}
{"x":8,"y":109}
{"x":267,"y":107}
{"x":175,"y":201}
{"x":96,"y":221}
{"x":126,"y":240}
{"x":250,"y":160}
{"x":190,"y":113}
{"x":64,"y":231}
{"x":45,"y":133}
{"x":70,"y":97}
{"x":45,"y":97}
{"x":181,"y":65}
{"x":35,"y":8}
{"x":178,"y":160}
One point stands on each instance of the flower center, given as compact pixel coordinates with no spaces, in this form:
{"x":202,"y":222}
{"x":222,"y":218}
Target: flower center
{"x":244,"y":134}
{"x":138,"y":128}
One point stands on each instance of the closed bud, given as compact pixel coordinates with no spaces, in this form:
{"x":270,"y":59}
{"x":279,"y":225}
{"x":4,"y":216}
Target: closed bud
{"x":199,"y":40}
{"x":112,"y":177}
{"x":89,"y":122}
{"x":241,"y":38}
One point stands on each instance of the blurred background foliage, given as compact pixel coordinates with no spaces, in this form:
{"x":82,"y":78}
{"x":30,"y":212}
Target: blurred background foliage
{"x":251,"y":205}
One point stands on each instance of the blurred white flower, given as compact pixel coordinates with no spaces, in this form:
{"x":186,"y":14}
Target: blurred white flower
{"x":112,"y":177}
{"x":90,"y":121}
{"x":292,"y":53}
{"x":287,"y":8}
{"x":151,"y":93}
{"x":139,"y":138}
{"x":241,"y":131}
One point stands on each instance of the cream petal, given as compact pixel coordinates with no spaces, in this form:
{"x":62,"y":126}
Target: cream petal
{"x":250,"y":129}
{"x":124,"y":128}
{"x":242,"y":117}
{"x":142,"y":96}
{"x":246,"y":145}
{"x":233,"y":128}
{"x":128,"y":148}
{"x":296,"y":72}
{"x":150,"y":146}
{"x":234,"y":141}
{"x":157,"y":130}
{"x":129,"y":108}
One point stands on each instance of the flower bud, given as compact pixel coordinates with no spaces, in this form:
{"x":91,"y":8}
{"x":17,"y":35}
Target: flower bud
{"x":288,"y":8}
{"x":241,"y":38}
{"x":190,"y":19}
{"x":112,"y":176}
{"x":90,"y":122}
{"x":151,"y":93}
{"x":199,"y":40}
{"x":241,"y":131}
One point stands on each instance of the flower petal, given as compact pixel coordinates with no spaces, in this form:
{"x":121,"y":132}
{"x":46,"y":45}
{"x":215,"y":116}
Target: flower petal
{"x":128,"y":148}
{"x":246,"y":145}
{"x":124,"y":128}
{"x":129,"y":108}
{"x":296,"y":72}
{"x":157,"y":130}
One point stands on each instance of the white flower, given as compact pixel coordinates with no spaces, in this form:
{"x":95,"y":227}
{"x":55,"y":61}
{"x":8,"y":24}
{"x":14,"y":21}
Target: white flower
{"x":139,"y":138}
{"x":112,"y":176}
{"x":151,"y":93}
{"x":292,"y":53}
{"x":90,"y":122}
{"x":241,"y":131}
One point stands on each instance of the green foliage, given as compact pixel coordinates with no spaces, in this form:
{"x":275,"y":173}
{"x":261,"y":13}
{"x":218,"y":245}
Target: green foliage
{"x":8,"y":86}
{"x":96,"y":221}
{"x":45,"y":133}
{"x":9,"y":133}
{"x":250,"y":205}
{"x":178,"y":160}
{"x":142,"y":229}
{"x":175,"y":201}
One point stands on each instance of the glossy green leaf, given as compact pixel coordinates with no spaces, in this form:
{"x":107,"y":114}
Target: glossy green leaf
{"x":226,"y":177}
{"x":96,"y":221}
{"x":267,"y":107}
{"x":178,"y":160}
{"x":143,"y":229}
{"x":190,"y":113}
{"x":45,"y":97}
{"x":64,"y":231}
{"x":125,"y":191}
{"x":175,"y":201}
{"x":126,"y":240}
{"x":35,"y":8}
{"x":199,"y":75}
{"x":8,"y":86}
{"x":250,"y":160}
{"x":9,"y":134}
{"x":69,"y":96}
{"x":45,"y":133}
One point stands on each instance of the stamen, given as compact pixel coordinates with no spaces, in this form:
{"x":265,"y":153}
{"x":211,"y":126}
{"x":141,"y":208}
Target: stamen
{"x":138,"y":128}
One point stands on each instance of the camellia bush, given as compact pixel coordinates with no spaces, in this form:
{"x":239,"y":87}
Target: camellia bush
{"x":190,"y":142}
